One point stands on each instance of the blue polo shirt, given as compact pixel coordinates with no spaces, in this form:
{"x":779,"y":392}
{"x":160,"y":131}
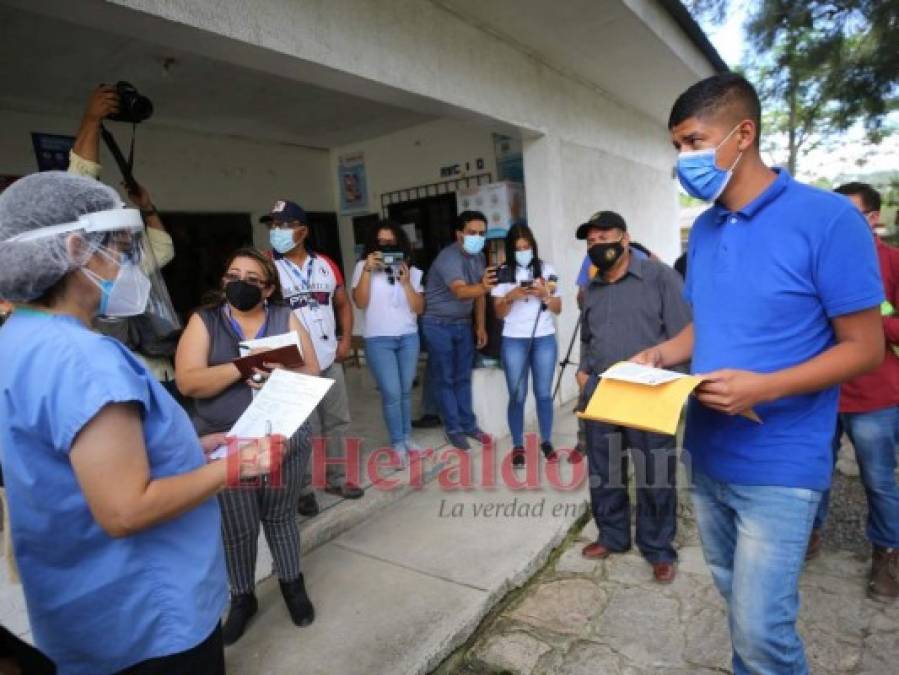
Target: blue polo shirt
{"x":764,"y":283}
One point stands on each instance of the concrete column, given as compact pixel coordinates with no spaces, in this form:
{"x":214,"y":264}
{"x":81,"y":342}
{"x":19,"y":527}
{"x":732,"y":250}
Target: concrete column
{"x":553,"y":227}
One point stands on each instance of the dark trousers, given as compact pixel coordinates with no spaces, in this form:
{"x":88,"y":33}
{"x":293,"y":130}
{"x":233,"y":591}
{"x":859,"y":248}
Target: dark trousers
{"x":207,"y":658}
{"x":655,"y":464}
{"x":451,"y":355}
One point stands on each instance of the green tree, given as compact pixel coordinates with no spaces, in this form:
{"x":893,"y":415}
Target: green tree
{"x":820,"y":66}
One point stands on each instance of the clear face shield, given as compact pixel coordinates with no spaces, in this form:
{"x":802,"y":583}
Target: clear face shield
{"x":136,"y":289}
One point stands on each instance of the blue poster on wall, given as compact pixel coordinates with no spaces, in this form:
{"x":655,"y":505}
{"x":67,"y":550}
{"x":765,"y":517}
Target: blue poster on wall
{"x":52,"y":151}
{"x":351,"y":183}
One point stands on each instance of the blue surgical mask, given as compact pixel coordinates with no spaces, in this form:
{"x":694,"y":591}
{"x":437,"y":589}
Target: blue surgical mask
{"x":473,"y":243}
{"x":524,"y":258}
{"x":700,"y":176}
{"x":126,"y":295}
{"x":282,"y":239}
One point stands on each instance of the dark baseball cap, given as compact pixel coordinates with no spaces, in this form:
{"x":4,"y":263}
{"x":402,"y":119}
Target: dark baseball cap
{"x":602,"y":220}
{"x":284,"y":211}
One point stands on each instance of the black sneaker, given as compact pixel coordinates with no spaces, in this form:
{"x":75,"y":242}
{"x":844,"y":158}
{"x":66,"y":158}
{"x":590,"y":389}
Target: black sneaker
{"x":426,"y":422}
{"x":518,"y":455}
{"x":307,"y":505}
{"x":549,"y":452}
{"x":242,"y":609}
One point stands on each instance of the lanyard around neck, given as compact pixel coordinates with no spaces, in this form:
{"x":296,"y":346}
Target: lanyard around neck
{"x":239,"y":331}
{"x":296,"y":272}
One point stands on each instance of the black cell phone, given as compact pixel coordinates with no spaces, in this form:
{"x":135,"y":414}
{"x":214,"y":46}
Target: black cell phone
{"x":527,"y":283}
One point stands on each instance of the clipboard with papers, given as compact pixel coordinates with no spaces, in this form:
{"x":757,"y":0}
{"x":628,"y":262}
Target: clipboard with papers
{"x":281,"y":406}
{"x":644,"y":398}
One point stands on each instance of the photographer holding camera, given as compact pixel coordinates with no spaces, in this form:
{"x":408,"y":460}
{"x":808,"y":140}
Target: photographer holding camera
{"x":525,"y":298}
{"x":84,"y":160}
{"x":389,"y":292}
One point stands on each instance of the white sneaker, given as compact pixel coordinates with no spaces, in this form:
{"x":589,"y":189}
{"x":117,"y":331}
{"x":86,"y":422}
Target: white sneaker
{"x":403,"y":453}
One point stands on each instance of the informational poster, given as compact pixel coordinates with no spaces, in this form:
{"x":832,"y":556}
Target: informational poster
{"x":52,"y":151}
{"x":509,"y":158}
{"x":352,"y":183}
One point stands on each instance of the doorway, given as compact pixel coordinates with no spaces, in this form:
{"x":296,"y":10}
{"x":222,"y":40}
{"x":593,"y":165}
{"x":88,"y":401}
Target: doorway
{"x":434,"y":218}
{"x":203,"y":242}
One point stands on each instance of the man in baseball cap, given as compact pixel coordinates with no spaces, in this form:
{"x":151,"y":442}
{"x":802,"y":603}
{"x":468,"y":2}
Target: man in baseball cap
{"x":631,"y":301}
{"x":313,"y":286}
{"x":601,"y":220}
{"x":284,"y":211}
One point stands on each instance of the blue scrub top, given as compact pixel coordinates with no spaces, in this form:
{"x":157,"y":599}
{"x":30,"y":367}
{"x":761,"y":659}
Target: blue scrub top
{"x":98,"y":604}
{"x":765,"y":283}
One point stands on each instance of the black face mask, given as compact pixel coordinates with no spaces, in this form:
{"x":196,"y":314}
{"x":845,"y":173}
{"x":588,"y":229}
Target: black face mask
{"x":243,"y":296}
{"x":605,"y":256}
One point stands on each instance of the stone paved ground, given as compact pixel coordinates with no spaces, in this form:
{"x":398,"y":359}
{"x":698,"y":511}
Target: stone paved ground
{"x":608,"y":617}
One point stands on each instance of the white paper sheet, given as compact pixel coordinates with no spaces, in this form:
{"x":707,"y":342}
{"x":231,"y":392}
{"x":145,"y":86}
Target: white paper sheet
{"x":271,"y":342}
{"x":285,"y":401}
{"x":634,"y":372}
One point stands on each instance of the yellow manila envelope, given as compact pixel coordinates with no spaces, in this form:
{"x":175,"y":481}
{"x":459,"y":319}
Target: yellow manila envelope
{"x":640,"y":397}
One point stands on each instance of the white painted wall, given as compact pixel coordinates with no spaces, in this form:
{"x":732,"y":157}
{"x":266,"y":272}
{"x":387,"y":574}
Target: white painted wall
{"x":186,"y":171}
{"x":406,"y":159}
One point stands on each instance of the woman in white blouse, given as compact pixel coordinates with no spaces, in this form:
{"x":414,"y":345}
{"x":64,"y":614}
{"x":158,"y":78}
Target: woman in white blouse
{"x":387,"y":288}
{"x":527,"y":302}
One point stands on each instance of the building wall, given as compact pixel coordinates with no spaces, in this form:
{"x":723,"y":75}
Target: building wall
{"x":406,"y":159}
{"x":191,"y":172}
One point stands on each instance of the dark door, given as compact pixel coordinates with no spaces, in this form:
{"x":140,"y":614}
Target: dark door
{"x":434,"y":219}
{"x":324,"y":235}
{"x":203,"y":242}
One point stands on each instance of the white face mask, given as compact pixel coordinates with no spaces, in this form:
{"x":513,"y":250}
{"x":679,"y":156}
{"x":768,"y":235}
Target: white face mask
{"x":126,"y":295}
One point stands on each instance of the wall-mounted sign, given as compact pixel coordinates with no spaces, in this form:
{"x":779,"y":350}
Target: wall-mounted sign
{"x":52,"y":151}
{"x":351,"y":181}
{"x":451,"y":170}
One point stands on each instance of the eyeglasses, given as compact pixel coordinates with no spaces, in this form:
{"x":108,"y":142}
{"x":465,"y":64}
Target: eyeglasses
{"x":251,"y":279}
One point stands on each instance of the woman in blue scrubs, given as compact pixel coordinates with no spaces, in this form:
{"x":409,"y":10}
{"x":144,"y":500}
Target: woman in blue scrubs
{"x":113,"y":520}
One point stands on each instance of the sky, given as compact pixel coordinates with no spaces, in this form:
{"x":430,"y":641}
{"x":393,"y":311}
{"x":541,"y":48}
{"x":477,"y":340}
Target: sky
{"x":843,"y":157}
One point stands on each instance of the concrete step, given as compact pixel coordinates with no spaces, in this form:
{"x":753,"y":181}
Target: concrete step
{"x":400,"y":591}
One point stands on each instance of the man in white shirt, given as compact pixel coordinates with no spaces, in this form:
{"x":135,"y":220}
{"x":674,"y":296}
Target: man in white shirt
{"x":314,"y":287}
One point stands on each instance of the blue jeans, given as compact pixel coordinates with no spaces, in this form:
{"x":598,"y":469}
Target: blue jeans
{"x":451,"y":357}
{"x":517,"y":362}
{"x":824,"y":504}
{"x":393,"y":361}
{"x":754,"y":539}
{"x":875,"y":436}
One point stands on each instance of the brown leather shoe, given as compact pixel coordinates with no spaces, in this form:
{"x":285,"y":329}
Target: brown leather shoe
{"x":596,"y":551}
{"x":664,"y":572}
{"x":348,"y":490}
{"x":815,"y":544}
{"x":883,"y":584}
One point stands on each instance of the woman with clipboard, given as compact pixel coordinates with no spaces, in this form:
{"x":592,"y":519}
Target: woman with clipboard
{"x":248,"y":307}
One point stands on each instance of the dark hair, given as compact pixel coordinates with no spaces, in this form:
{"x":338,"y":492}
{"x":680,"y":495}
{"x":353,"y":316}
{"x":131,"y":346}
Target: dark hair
{"x":522,"y":231}
{"x":869,"y":196}
{"x":467,"y":216}
{"x":402,"y":240}
{"x":711,"y":95}
{"x":216,"y":296}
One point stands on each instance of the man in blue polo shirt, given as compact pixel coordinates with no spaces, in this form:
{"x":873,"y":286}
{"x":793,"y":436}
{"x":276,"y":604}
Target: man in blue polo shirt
{"x":785,"y":289}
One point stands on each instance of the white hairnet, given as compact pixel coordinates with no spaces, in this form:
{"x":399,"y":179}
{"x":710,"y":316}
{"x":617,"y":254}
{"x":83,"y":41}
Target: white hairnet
{"x":29,"y":268}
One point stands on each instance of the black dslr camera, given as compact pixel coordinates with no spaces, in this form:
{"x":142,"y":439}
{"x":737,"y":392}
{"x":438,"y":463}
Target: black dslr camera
{"x":133,"y":107}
